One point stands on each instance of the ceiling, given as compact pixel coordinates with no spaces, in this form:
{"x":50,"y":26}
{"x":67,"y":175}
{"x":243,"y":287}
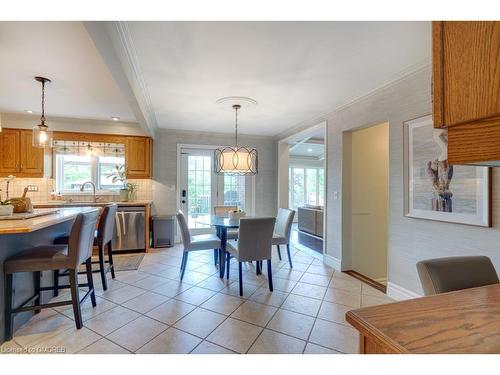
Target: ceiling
{"x":310,"y":150}
{"x":297,"y":71}
{"x":82,"y":86}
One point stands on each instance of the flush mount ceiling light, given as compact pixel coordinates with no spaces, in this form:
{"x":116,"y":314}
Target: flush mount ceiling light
{"x":114,"y":118}
{"x":236,"y":160}
{"x":42,"y":136}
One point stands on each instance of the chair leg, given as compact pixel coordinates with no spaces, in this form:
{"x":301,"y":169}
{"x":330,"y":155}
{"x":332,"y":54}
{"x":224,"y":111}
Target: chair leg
{"x":102,"y":269}
{"x":289,"y":256}
{"x":184,"y":262}
{"x":8,"y":307}
{"x":216,"y":257}
{"x":90,"y":280}
{"x":37,"y":276}
{"x":56,"y":282}
{"x":110,"y":259}
{"x":75,"y":297}
{"x":257,"y":267}
{"x":269,"y":275}
{"x":240,"y":278}
{"x":228,"y":258}
{"x":279,"y":252}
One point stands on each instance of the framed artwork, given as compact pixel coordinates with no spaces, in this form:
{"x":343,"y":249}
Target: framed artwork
{"x":436,"y":190}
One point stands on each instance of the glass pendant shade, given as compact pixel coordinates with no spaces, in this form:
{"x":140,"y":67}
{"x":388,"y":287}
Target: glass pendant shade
{"x":42,"y":136}
{"x":236,"y":161}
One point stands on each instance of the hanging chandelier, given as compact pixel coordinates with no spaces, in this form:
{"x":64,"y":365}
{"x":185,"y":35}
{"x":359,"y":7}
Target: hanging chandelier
{"x":236,"y":160}
{"x":42,"y":136}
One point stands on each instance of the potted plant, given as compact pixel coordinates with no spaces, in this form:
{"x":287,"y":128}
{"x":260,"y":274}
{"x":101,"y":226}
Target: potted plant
{"x":6,"y":209}
{"x":128,"y":190}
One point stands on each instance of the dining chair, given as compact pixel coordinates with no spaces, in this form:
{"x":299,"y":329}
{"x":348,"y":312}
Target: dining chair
{"x":282,"y":231}
{"x":103,"y":240}
{"x":194,"y":243}
{"x":254,"y":244}
{"x":231,"y":234}
{"x":48,"y":258}
{"x":443,"y":275}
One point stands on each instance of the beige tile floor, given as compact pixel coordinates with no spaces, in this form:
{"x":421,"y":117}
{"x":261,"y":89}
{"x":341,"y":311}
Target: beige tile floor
{"x":151,"y":311}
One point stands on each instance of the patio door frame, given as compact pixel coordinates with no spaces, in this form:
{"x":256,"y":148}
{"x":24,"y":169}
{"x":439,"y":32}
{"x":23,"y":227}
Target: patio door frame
{"x":217,"y":183}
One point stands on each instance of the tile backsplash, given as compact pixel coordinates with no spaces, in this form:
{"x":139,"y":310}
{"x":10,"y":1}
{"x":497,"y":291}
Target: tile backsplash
{"x":47,"y":185}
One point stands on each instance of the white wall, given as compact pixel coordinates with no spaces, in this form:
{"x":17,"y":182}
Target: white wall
{"x":369,"y":163}
{"x":165,"y":167}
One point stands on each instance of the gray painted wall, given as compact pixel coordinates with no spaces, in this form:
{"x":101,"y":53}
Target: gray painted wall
{"x":165,"y":167}
{"x":410,"y":240}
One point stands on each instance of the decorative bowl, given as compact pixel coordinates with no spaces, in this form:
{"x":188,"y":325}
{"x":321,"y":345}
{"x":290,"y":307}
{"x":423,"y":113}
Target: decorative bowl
{"x":6,"y":210}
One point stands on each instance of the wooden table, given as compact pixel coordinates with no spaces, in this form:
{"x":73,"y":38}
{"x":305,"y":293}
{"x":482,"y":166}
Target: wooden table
{"x":466,"y":321}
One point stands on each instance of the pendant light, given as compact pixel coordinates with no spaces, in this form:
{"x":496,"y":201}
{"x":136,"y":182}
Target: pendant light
{"x":236,"y":160}
{"x":42,"y":136}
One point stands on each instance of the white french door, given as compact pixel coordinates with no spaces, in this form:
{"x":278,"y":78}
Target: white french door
{"x":201,"y":189}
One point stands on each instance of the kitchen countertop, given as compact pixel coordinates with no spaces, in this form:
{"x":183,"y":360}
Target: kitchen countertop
{"x":50,"y":204}
{"x":60,"y":215}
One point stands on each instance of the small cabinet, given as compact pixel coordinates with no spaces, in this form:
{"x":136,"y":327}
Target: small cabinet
{"x":18,"y":156}
{"x":138,"y":156}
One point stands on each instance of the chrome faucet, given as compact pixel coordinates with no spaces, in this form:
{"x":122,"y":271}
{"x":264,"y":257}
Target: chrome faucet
{"x":93,"y":189}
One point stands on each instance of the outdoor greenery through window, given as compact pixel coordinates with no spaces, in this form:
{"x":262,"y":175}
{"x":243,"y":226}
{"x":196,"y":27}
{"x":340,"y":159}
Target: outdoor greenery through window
{"x":306,"y":186}
{"x":74,"y":170}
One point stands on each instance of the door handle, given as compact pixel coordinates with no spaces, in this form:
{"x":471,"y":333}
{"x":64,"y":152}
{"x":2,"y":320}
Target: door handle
{"x":183,"y":201}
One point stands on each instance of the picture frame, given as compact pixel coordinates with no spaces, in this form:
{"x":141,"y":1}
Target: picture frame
{"x":435,"y":190}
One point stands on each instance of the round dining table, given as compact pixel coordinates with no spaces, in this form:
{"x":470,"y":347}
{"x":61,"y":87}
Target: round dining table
{"x":221,"y":225}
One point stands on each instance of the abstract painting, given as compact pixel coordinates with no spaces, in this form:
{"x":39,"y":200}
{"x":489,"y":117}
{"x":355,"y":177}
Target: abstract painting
{"x":436,"y":190}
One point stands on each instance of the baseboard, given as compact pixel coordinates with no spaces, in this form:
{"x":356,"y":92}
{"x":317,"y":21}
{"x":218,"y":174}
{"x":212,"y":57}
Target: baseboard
{"x":332,"y":262}
{"x":399,"y":293}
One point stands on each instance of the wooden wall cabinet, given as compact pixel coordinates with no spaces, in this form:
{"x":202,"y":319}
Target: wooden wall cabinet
{"x":138,"y":157}
{"x":466,"y":88}
{"x":18,"y":156}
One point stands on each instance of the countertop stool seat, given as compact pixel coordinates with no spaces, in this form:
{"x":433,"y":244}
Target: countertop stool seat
{"x":49,"y":258}
{"x":102,"y":240}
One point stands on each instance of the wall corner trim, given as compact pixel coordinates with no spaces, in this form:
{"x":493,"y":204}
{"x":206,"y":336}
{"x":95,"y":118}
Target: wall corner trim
{"x":399,"y":293}
{"x":332,"y":262}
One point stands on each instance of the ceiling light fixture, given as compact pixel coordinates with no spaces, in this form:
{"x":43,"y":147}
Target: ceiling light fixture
{"x":114,"y":118}
{"x":28,"y":111}
{"x":42,"y":136}
{"x":236,"y":160}
{"x":309,"y":150}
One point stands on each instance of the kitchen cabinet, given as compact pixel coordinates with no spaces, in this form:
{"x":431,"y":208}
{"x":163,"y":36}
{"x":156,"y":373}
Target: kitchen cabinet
{"x":138,"y":156}
{"x":466,"y":89}
{"x":18,"y":156}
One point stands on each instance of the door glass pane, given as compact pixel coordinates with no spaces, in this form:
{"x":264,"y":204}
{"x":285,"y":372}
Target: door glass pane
{"x":321,"y":187}
{"x":234,"y":191}
{"x":311,"y":194}
{"x":199,"y":191}
{"x":298,"y":187}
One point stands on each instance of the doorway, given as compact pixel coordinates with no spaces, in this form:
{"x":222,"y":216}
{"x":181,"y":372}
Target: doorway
{"x":200,"y":188}
{"x":366,"y":185}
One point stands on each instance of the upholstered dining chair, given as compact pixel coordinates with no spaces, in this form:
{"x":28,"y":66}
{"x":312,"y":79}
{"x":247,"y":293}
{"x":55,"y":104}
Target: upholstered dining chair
{"x":443,"y":275}
{"x":231,"y":234}
{"x":254,"y":244}
{"x":102,"y":239}
{"x":194,"y":243}
{"x":282,"y":231}
{"x":53,"y":257}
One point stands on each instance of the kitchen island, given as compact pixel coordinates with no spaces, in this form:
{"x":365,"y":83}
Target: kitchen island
{"x":17,"y":235}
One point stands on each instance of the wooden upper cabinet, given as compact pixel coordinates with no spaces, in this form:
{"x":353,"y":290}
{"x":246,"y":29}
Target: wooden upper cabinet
{"x":138,"y":151}
{"x":466,"y":72}
{"x":9,"y":151}
{"x":18,"y":156}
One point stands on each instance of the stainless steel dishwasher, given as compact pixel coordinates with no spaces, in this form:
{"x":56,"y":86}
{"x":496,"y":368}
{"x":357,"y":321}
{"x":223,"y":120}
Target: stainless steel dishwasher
{"x":130,"y":232}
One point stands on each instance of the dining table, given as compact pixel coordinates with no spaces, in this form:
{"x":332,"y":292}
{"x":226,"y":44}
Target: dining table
{"x":221,"y":225}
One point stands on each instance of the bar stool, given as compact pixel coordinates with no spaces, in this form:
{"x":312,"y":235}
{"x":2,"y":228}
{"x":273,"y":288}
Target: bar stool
{"x":105,"y":232}
{"x":52,"y":257}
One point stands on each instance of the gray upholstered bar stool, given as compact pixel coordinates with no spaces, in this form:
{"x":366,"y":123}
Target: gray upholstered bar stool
{"x":283,"y":230}
{"x":254,"y":243}
{"x":194,"y":243}
{"x":103,"y":239}
{"x":443,"y":275}
{"x":52,"y":257}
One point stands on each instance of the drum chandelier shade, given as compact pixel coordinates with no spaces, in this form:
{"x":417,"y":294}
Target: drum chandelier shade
{"x":42,"y":136}
{"x":236,"y":160}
